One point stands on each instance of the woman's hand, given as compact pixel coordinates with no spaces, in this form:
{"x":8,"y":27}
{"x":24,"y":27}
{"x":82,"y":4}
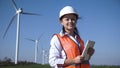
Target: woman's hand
{"x":78,"y":59}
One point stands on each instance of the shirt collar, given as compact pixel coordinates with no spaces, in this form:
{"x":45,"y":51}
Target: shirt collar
{"x":63,"y":34}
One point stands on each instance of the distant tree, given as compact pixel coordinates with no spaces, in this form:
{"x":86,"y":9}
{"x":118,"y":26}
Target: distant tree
{"x":6,"y":59}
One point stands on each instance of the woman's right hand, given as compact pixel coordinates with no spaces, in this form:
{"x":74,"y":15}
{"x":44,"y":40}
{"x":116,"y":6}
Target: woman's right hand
{"x":78,"y":59}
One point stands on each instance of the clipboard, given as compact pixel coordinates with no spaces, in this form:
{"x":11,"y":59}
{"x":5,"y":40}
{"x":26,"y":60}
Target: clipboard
{"x":89,"y":44}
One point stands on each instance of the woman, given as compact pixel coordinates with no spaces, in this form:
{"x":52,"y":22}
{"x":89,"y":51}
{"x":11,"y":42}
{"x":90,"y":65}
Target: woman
{"x":67,"y":46}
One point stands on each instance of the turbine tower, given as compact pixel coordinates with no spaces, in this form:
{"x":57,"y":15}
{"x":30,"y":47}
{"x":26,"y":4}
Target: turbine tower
{"x":43,"y":56}
{"x":36,"y":46}
{"x":18,"y":12}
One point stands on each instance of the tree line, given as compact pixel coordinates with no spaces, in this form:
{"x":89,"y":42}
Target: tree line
{"x":8,"y":61}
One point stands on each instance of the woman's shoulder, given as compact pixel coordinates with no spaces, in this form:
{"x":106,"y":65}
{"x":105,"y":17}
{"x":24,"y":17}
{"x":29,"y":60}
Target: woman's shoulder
{"x":54,"y":38}
{"x":55,"y":42}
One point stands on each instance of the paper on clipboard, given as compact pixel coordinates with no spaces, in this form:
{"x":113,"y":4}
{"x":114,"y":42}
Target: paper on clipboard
{"x":88,"y":45}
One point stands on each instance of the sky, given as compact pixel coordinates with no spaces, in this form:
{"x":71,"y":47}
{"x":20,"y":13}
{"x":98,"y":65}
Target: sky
{"x":100,"y":22}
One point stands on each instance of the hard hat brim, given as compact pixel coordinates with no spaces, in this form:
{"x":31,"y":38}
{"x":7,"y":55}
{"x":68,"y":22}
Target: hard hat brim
{"x":70,"y":13}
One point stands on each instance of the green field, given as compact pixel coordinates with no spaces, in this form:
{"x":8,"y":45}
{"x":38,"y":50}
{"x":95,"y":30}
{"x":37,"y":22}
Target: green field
{"x":47,"y":66}
{"x":27,"y":66}
{"x":104,"y":66}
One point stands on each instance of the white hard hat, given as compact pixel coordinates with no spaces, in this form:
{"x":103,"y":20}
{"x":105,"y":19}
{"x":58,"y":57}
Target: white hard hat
{"x":67,"y":10}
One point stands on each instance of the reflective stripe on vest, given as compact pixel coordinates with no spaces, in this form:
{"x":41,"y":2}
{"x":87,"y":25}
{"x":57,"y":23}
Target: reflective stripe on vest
{"x":72,"y":50}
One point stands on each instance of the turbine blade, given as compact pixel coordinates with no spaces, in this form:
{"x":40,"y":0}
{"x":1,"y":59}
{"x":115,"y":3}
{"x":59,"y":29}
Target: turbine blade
{"x":30,"y":13}
{"x":40,"y":36}
{"x":14,"y":4}
{"x":30,"y":39}
{"x":9,"y":25}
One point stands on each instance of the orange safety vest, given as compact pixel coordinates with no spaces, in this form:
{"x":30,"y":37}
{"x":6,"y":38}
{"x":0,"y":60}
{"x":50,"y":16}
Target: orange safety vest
{"x":72,"y":50}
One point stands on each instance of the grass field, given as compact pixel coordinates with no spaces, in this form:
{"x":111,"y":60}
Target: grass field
{"x":27,"y":66}
{"x":104,"y":66}
{"x":47,"y":66}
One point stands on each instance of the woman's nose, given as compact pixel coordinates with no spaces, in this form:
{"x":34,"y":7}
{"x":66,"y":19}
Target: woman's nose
{"x":70,"y":20}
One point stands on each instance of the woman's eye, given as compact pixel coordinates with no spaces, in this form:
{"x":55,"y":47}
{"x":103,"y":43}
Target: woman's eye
{"x":73,"y":19}
{"x":67,"y":19}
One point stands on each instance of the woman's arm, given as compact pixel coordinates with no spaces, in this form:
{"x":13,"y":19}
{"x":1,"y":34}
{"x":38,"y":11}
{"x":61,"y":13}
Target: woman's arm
{"x":55,"y":52}
{"x":76,"y":60}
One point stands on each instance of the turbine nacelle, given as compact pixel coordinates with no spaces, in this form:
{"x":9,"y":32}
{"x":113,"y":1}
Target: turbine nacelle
{"x":36,"y":41}
{"x":20,"y":10}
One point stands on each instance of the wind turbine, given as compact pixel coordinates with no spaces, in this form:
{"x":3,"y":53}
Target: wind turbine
{"x":36,"y":46}
{"x":18,"y":12}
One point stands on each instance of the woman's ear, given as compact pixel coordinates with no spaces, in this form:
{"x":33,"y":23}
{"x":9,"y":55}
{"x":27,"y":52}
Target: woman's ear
{"x":61,"y":22}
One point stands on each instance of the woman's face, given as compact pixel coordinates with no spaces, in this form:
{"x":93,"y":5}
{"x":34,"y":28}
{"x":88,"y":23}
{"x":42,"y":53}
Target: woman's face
{"x":69,"y":22}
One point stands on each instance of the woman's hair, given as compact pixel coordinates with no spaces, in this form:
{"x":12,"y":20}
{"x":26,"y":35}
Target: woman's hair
{"x":76,"y":32}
